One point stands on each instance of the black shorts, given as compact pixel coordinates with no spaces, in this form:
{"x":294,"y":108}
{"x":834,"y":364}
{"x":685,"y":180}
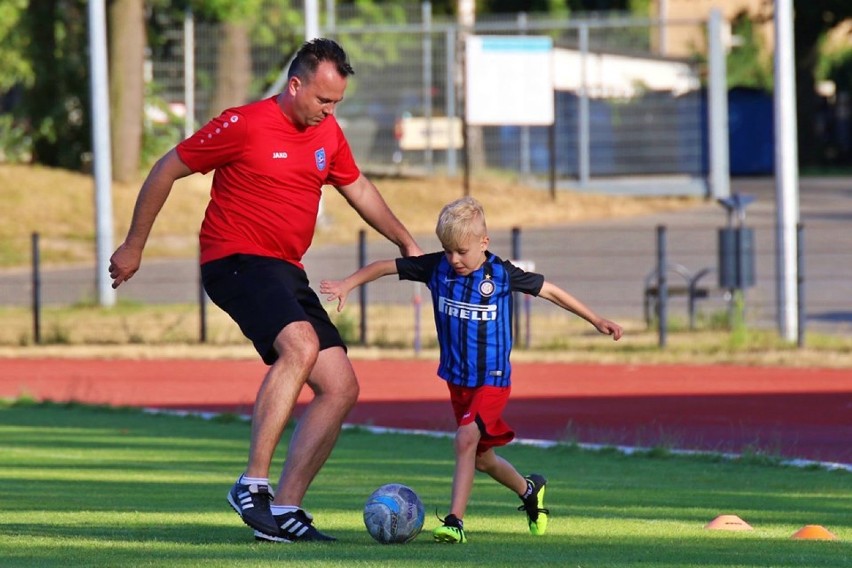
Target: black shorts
{"x":263,"y":295}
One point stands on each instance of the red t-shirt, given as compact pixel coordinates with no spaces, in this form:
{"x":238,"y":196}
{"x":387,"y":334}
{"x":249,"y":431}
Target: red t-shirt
{"x":268,"y":180}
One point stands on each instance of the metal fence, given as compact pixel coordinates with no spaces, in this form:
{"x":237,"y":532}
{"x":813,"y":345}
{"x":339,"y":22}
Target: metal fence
{"x":408,"y":69}
{"x":621,"y":108}
{"x":607,"y":265}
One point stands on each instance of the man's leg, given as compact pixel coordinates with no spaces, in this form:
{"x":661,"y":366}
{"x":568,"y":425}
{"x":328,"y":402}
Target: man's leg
{"x":335,"y":393}
{"x":250,"y":496}
{"x":298,"y":347}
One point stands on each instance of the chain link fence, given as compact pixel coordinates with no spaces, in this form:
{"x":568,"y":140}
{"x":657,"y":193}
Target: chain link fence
{"x":621,"y":107}
{"x":627,"y":116}
{"x":607,"y":266}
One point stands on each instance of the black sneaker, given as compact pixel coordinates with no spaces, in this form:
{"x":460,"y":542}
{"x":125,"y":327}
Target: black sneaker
{"x":534,"y":505}
{"x":296,"y":526}
{"x":251,"y":502}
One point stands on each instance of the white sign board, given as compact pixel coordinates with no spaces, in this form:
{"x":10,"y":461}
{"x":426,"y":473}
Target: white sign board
{"x":436,"y":133}
{"x":509,"y":80}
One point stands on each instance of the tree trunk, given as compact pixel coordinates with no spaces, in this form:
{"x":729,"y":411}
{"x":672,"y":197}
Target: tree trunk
{"x":126,"y":85}
{"x":473,"y":147}
{"x":233,"y":68}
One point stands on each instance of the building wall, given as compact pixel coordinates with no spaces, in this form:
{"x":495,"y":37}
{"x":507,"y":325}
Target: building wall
{"x":680,"y":41}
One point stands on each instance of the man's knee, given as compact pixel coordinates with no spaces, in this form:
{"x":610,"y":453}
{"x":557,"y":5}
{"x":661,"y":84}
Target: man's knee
{"x":297,"y":345}
{"x":334,"y":377}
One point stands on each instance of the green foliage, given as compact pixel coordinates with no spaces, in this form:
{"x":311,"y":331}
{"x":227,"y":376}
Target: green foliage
{"x":377,"y":50}
{"x":15,"y":142}
{"x":347,"y":326}
{"x":229,"y":10}
{"x":640,"y":8}
{"x":748,"y":63}
{"x":555,"y":7}
{"x":157,"y":136}
{"x":836,"y":65}
{"x":58,"y":101}
{"x":15,"y":68}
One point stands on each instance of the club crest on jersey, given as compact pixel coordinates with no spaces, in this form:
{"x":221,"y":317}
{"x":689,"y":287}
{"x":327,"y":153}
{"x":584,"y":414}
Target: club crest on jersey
{"x":486,"y":287}
{"x":319,"y":156}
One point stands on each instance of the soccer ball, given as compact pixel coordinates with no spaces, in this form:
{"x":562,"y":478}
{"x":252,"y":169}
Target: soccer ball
{"x":394,"y":514}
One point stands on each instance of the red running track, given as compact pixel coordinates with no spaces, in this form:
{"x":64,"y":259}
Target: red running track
{"x":787,"y":412}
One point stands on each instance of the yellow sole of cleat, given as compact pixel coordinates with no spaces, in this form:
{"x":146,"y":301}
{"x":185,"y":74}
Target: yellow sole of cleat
{"x":448,"y":538}
{"x":539,"y":527}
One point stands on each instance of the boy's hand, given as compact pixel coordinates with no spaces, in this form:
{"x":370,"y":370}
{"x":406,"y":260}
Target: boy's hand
{"x":335,"y":290}
{"x":609,"y":328}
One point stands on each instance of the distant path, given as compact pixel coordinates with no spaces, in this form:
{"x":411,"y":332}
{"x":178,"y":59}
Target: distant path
{"x":794,"y":413}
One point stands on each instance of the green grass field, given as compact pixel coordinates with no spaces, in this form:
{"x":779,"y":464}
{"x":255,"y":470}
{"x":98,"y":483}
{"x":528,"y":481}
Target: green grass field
{"x":86,"y":486}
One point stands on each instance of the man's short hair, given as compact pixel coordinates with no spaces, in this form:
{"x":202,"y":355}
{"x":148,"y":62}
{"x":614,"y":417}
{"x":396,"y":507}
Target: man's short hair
{"x":313,"y":52}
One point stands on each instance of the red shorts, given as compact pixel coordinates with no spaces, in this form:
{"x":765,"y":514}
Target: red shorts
{"x":484,"y":405}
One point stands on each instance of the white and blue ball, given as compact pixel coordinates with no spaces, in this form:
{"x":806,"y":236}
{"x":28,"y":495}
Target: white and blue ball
{"x":394,"y":514}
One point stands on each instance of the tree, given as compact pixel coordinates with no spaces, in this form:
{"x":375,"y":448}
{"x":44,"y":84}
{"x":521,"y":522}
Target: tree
{"x":813,"y":18}
{"x":747,"y":63}
{"x":126,"y":85}
{"x":15,"y":68}
{"x":233,"y":59}
{"x":57,"y":103}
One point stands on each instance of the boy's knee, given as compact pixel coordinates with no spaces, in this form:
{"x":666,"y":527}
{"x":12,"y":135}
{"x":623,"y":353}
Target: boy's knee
{"x":467,"y":438}
{"x":485,"y":461}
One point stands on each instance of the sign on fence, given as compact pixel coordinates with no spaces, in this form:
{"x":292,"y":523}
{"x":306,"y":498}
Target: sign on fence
{"x":509,"y":80}
{"x":436,"y":133}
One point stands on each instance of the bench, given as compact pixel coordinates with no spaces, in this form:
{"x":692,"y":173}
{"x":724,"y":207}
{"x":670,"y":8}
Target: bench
{"x":688,"y":286}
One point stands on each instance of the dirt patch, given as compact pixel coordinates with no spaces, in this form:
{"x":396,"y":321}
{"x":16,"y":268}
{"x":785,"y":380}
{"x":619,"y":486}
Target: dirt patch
{"x":59,"y":205}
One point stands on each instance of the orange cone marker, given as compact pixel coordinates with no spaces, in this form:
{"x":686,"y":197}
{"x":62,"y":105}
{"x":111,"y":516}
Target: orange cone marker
{"x":813,"y":532}
{"x":728,"y":523}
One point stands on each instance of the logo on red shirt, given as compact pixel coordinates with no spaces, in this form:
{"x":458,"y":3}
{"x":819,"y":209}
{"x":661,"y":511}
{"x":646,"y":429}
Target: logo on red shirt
{"x":319,"y":156}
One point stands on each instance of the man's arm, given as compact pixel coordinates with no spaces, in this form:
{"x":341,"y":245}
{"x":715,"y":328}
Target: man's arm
{"x":155,"y":190}
{"x":339,"y":289}
{"x":363,"y":196}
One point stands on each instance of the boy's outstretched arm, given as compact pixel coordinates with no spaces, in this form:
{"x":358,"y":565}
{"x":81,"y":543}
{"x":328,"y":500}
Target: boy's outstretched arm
{"x":340,"y":289}
{"x":568,"y":302}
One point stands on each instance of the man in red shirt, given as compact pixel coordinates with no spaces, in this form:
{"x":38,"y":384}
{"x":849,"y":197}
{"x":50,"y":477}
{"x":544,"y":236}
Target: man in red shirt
{"x":271,"y":159}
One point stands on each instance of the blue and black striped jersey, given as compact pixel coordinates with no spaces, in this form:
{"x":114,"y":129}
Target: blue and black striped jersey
{"x":473,"y":315}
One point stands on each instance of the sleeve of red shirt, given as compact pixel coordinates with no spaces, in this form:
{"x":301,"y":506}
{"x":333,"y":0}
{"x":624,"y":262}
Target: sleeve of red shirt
{"x":218,"y":142}
{"x":343,"y":169}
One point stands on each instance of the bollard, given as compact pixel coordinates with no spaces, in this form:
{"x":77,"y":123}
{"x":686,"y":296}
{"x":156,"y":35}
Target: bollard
{"x":36,"y":282}
{"x":516,"y":253}
{"x":662,"y":288}
{"x":362,"y":290}
{"x":202,"y":308}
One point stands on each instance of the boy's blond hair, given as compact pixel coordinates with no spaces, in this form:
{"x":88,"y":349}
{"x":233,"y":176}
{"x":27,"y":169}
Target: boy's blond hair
{"x":460,"y":220}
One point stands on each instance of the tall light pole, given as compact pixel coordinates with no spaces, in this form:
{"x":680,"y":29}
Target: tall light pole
{"x":312,"y":27}
{"x":101,"y":150}
{"x":786,"y":172}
